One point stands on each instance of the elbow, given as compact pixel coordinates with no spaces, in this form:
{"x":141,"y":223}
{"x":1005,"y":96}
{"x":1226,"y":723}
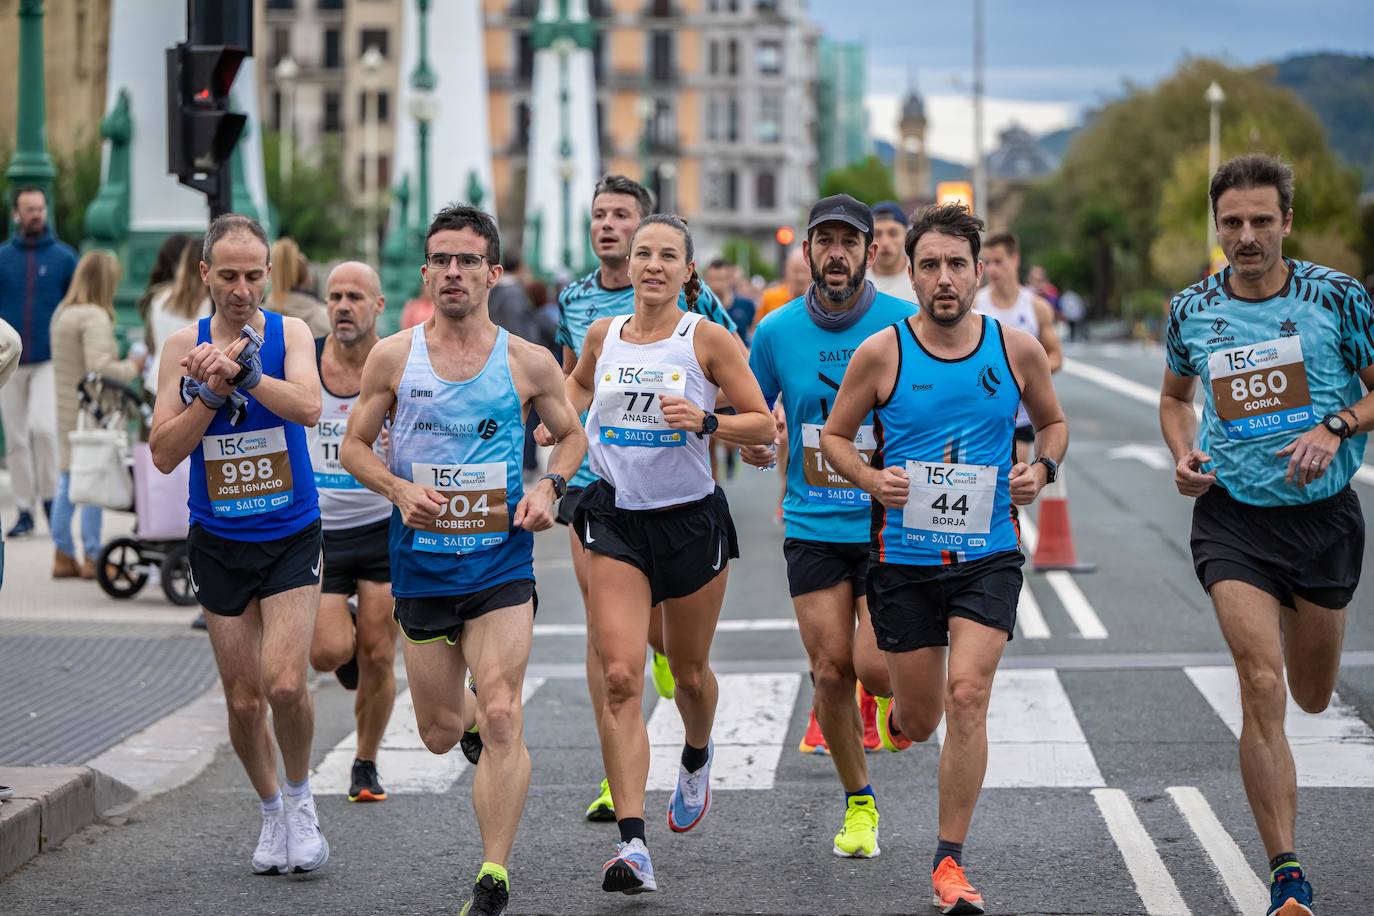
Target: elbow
{"x":311,"y":411}
{"x":163,"y":460}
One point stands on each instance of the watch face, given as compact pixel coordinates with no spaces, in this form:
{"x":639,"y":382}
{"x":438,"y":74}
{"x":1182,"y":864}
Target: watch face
{"x":1335,"y":424}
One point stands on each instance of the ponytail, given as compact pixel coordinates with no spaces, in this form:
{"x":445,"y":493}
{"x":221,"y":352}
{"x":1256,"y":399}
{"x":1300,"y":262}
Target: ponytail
{"x":692,"y":289}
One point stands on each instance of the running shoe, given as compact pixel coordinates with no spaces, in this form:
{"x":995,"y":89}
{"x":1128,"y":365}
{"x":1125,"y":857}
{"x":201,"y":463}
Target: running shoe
{"x":1290,"y":894}
{"x":347,"y":673}
{"x":891,"y":739}
{"x":858,"y":838}
{"x":471,"y":742}
{"x":6,"y":791}
{"x":630,"y":871}
{"x":23,"y":527}
{"x":603,"y":809}
{"x":813,"y":742}
{"x":868,"y":712}
{"x":365,"y":787}
{"x":663,"y":676}
{"x":489,"y":897}
{"x":270,"y":858}
{"x":692,"y":796}
{"x":306,"y":847}
{"x":952,"y":892}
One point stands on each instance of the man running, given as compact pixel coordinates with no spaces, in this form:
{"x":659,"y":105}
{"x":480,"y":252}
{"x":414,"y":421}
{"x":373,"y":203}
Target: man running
{"x":1282,"y":348}
{"x":618,"y":206}
{"x":944,"y":388}
{"x":235,"y":392}
{"x":890,"y":275}
{"x":1020,"y":307}
{"x":361,"y":651}
{"x":458,"y":389}
{"x":800,"y":352}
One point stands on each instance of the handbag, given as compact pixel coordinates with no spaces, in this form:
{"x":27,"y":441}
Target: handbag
{"x":99,"y":473}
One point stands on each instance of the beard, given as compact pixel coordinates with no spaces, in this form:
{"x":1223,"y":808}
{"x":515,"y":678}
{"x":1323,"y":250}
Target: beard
{"x":856,"y":282}
{"x":939,"y":312}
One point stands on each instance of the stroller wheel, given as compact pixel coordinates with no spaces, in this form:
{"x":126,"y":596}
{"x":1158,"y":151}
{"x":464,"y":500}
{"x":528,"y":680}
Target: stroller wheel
{"x":176,"y":577}
{"x":120,"y":571}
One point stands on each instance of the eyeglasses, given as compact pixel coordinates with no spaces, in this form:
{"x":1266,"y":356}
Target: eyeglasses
{"x":438,"y":260}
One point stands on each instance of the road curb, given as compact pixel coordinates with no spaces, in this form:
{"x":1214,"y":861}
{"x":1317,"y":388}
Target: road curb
{"x":50,"y":804}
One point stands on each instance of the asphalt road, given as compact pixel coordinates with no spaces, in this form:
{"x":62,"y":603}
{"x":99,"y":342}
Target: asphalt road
{"x":1113,"y":785}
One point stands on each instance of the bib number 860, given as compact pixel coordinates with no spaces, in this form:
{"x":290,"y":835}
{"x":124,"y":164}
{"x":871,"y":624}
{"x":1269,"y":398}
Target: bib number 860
{"x":247,"y":470}
{"x":1258,"y":385}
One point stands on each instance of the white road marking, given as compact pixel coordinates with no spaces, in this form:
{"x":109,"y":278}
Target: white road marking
{"x":759,"y":625}
{"x":170,"y":752}
{"x":751,"y":725}
{"x":405,"y":765}
{"x":1079,"y":608}
{"x":1029,"y":619}
{"x":1153,"y":882}
{"x":1247,"y":892}
{"x":1034,"y":739}
{"x":1155,"y":457}
{"x":1334,"y":749}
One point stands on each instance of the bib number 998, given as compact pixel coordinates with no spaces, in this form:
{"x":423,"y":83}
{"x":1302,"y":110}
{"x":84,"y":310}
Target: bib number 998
{"x":246,"y":471}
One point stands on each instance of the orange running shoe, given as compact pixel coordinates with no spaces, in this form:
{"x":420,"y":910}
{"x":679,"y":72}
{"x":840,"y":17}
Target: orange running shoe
{"x":814,"y":740}
{"x":891,"y":740}
{"x":953,"y":894}
{"x":868,"y":712}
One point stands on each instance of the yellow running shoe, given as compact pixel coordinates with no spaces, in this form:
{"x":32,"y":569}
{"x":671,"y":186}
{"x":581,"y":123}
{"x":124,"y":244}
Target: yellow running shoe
{"x":603,"y":809}
{"x":858,"y":838}
{"x":663,"y":676}
{"x":891,"y":740}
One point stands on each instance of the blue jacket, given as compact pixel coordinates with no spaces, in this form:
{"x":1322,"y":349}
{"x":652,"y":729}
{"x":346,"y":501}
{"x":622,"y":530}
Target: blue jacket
{"x":34,"y":276}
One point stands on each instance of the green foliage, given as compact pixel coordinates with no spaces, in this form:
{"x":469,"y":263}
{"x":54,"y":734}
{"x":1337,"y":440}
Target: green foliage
{"x":869,"y":181}
{"x":78,"y":180}
{"x":315,"y":208}
{"x":1340,"y":89}
{"x":747,"y":252}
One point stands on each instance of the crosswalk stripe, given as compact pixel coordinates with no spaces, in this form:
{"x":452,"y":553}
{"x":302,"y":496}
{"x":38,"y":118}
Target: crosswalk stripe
{"x":1029,"y":618}
{"x":1034,"y":739}
{"x":751,"y":625}
{"x":406,"y":766}
{"x":1076,"y":603}
{"x":1153,"y":882}
{"x":1334,"y":749}
{"x":751,"y":724}
{"x":1245,"y":889}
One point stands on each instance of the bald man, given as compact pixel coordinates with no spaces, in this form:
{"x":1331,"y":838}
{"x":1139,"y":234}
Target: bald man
{"x":361,"y":649}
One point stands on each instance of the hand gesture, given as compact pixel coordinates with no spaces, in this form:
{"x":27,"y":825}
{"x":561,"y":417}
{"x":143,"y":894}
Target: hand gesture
{"x":420,"y":506}
{"x":891,"y":487}
{"x":1309,"y":455}
{"x":542,"y":436}
{"x":759,"y":456}
{"x":535,"y":510}
{"x":1188,"y":476}
{"x":1026,"y":482}
{"x":680,"y":413}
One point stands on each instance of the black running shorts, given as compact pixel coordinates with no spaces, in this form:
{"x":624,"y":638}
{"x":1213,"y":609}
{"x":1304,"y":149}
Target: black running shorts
{"x":1313,"y":552}
{"x":1024,"y":434}
{"x":354,"y":554}
{"x":679,"y":549}
{"x":910,"y":606}
{"x":814,"y":565}
{"x":567,"y":506}
{"x":431,"y":619}
{"x":227,"y":575}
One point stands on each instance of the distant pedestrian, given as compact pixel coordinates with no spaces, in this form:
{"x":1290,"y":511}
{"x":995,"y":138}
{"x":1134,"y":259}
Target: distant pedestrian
{"x":720,"y":277}
{"x":83,"y":341}
{"x":1075,"y":312}
{"x":292,"y":294}
{"x":10,"y":349}
{"x":796,"y":277}
{"x":176,"y":305}
{"x":160,"y":278}
{"x":35,"y":271}
{"x":889,"y":272}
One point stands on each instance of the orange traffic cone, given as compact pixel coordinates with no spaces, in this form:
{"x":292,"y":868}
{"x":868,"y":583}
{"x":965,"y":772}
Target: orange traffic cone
{"x":1054,"y":549}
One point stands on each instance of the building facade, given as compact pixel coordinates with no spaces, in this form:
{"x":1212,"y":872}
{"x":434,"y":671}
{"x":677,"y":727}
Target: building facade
{"x":911,"y":162}
{"x":841,"y":119}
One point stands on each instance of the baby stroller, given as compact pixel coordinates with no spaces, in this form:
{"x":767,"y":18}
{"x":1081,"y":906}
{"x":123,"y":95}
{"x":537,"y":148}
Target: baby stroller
{"x":161,"y":525}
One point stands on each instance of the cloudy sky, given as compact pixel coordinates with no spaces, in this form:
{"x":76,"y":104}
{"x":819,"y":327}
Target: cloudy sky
{"x":1047,"y":60}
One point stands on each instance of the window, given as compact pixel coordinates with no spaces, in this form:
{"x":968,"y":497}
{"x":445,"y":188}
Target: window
{"x":281,"y":45}
{"x":375,"y":38}
{"x":662,"y":127}
{"x":524,"y":56}
{"x":713,"y":58}
{"x":765,"y":191}
{"x":522,"y":125}
{"x":281,"y":4}
{"x":383,"y":107}
{"x":525,"y":9}
{"x":661,"y":8}
{"x":732,"y":190}
{"x":769,"y":54}
{"x":712,"y":118}
{"x":332,"y":122}
{"x":768,"y":124}
{"x":661,"y":55}
{"x":362,"y":107}
{"x":732,"y":120}
{"x":276,"y":110}
{"x":383,"y":170}
{"x":767,"y":6}
{"x":329,"y":4}
{"x":333,"y":59}
{"x":732,"y":58}
{"x":383,"y":110}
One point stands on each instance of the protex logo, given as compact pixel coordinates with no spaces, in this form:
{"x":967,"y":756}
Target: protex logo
{"x":487,"y":428}
{"x":989,"y":381}
{"x":421,"y":393}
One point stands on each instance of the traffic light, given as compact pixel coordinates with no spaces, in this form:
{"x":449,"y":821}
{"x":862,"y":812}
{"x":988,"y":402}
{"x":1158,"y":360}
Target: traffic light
{"x":201,"y":130}
{"x":784,"y":235}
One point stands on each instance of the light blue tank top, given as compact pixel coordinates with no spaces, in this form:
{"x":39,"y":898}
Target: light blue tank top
{"x":950,"y":423}
{"x":464,"y":440}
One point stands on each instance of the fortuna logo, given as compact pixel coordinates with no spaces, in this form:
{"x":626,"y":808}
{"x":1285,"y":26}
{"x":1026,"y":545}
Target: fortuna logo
{"x":1220,"y":325}
{"x":1288,"y":328}
{"x":487,"y":428}
{"x":990,"y":380}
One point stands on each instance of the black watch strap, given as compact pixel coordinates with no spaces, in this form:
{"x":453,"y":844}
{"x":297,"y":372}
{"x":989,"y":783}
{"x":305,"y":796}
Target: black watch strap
{"x":560,"y":486}
{"x":1051,"y":468}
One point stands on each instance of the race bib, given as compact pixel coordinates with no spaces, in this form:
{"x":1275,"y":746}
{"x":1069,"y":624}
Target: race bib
{"x":949,"y":498}
{"x":628,"y":405}
{"x":823,"y":483}
{"x":330,"y":473}
{"x":247,"y":473}
{"x":474,"y":517}
{"x":1261,"y":389}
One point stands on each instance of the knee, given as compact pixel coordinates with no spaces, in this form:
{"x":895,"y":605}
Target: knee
{"x":624,"y":685}
{"x":287,"y":690}
{"x":246,"y":706}
{"x":327,"y":656}
{"x":966,"y":701}
{"x":833,"y":681}
{"x":690,"y":678}
{"x":377,"y":659}
{"x":920,"y":723}
{"x":440,"y":737}
{"x":1311,"y":698}
{"x":500,"y":722}
{"x":1263,"y":694}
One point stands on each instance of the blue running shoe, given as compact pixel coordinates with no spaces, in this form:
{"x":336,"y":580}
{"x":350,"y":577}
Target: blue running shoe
{"x":692,"y":797}
{"x":630,"y":871}
{"x":1290,"y":894}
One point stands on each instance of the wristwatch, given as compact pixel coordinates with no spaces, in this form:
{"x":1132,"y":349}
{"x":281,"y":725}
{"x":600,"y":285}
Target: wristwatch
{"x":1335,"y":423}
{"x":708,"y":425}
{"x":560,"y":486}
{"x":1051,"y":468}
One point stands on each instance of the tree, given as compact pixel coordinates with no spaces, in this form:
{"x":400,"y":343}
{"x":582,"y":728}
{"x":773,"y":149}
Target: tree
{"x":746,"y":253}
{"x":869,"y":181}
{"x":315,"y":208}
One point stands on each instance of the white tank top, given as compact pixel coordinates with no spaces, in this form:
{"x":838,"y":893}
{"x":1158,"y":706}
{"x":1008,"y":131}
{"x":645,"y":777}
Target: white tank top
{"x":650,"y":464}
{"x":1021,"y":316}
{"x":344,"y":502}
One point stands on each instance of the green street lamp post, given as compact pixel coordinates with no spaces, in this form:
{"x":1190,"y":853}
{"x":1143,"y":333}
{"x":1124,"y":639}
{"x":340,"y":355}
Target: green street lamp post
{"x":31,"y":165}
{"x":424,"y":107}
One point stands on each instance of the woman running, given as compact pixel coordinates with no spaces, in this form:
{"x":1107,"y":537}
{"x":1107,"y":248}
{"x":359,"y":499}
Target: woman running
{"x":656,"y":526}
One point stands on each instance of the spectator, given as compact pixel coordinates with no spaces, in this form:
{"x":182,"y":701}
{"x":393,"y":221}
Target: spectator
{"x":83,"y":341}
{"x":1040,"y":282}
{"x":291,"y":292}
{"x":160,"y":278}
{"x":796,"y":277}
{"x":179,"y":303}
{"x":722,"y":277}
{"x":1075,"y":312}
{"x":417,"y":310}
{"x":35,"y":271}
{"x":10,"y":349}
{"x":508,"y":304}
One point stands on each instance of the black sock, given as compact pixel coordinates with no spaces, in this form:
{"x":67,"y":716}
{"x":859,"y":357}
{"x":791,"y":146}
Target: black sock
{"x":1282,"y":860}
{"x":631,"y":828}
{"x":693,"y":758}
{"x":945,"y":848}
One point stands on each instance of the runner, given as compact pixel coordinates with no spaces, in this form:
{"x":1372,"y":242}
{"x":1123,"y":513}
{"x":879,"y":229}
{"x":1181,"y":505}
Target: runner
{"x":944,"y":388}
{"x":618,"y":206}
{"x":1281,"y":347}
{"x":800,"y":352}
{"x":889,"y":264}
{"x":1017,"y":306}
{"x":656,"y":527}
{"x":458,"y":389}
{"x":248,"y":389}
{"x":361,"y":651}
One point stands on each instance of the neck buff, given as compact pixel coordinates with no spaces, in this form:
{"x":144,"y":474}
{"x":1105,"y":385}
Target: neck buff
{"x":839,"y":321}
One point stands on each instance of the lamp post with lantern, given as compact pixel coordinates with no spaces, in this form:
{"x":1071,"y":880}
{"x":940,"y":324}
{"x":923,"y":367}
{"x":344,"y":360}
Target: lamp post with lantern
{"x":1215,"y":99}
{"x":286,"y":72}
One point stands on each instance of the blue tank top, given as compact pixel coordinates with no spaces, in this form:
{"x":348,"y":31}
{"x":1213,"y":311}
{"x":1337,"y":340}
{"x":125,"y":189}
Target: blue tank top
{"x":794,"y":358}
{"x":950,"y":423}
{"x":253,"y":481}
{"x":466,"y":440}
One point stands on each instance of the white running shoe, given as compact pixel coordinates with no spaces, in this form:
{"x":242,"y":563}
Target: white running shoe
{"x":307,"y":849}
{"x":691,"y":799}
{"x":270,"y":856}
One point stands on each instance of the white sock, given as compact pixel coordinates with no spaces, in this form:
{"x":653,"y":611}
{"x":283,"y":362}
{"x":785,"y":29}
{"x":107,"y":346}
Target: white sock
{"x":297,"y":791}
{"x":271,"y":805}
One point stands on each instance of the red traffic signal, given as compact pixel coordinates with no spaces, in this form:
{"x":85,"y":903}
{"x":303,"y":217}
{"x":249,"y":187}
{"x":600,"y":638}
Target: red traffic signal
{"x":784,"y":235}
{"x":201,"y":130}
